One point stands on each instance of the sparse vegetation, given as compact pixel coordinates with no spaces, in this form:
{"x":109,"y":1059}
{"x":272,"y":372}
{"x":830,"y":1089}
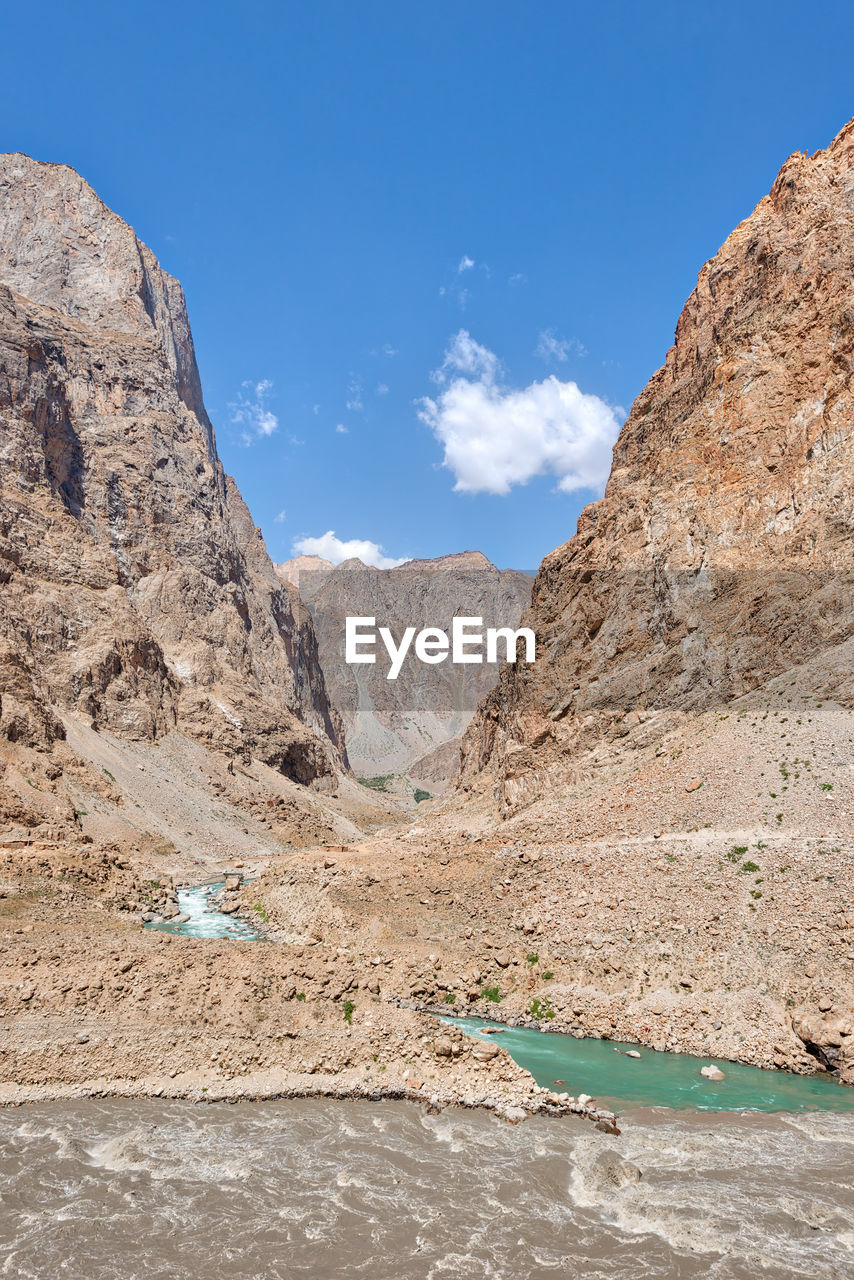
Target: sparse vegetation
{"x":540,"y":1009}
{"x":380,"y":783}
{"x":348,"y":1012}
{"x":420,"y":795}
{"x":493,"y":994}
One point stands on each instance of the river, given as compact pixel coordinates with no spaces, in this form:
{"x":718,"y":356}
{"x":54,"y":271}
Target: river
{"x":695,"y":1186}
{"x":121,"y":1190}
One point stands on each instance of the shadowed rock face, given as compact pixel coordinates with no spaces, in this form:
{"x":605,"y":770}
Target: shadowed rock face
{"x":136,"y":589}
{"x":721,"y":553}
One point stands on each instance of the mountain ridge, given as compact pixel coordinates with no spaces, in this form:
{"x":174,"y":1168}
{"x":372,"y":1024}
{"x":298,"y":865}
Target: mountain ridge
{"x":720,"y":553}
{"x":138,"y":593}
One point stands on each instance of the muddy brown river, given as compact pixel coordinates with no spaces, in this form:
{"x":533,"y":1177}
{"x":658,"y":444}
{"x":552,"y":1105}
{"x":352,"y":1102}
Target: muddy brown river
{"x":115,"y":1190}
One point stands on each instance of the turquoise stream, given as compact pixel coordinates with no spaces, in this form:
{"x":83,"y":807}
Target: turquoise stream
{"x":205,"y":920}
{"x":562,"y":1062}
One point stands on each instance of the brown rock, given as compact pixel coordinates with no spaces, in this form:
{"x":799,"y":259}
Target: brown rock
{"x":720,"y":555}
{"x":118,"y":525}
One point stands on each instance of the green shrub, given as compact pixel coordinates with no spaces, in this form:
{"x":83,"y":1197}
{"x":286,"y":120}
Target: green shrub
{"x":540,"y":1009}
{"x":421,"y":795}
{"x":348,"y":1012}
{"x":380,"y":783}
{"x":491,"y":993}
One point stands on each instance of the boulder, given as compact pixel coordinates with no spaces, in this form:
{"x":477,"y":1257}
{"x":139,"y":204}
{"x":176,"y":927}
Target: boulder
{"x":484,"y":1051}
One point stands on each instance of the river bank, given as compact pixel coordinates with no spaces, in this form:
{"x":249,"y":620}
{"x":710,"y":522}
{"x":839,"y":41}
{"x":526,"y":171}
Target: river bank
{"x":722,"y":943}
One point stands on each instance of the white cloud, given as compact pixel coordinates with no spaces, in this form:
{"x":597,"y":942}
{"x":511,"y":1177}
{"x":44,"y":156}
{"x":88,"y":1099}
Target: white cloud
{"x":495,"y":436}
{"x":550,"y":347}
{"x":454,"y":289}
{"x":468,"y":357}
{"x":250,"y":411}
{"x":382,"y":389}
{"x":354,"y":396}
{"x":341,"y":429}
{"x":281,"y":517}
{"x":337,"y":549}
{"x":518,"y":278}
{"x":389,"y":350}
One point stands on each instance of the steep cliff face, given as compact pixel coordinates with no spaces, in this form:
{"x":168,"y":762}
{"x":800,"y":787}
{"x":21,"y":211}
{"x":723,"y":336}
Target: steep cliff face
{"x":135,"y":588}
{"x":413,"y":724}
{"x":721,"y":553}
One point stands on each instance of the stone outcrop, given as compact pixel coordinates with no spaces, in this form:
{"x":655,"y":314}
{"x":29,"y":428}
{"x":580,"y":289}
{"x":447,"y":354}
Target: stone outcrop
{"x":136,"y":590}
{"x":721,"y":553}
{"x":411,"y":725}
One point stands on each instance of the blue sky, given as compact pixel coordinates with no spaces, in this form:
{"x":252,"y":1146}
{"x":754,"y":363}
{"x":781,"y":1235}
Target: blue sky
{"x":406,"y":230}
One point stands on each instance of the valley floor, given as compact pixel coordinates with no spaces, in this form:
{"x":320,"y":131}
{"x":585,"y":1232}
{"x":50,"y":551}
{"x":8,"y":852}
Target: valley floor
{"x":689,"y":891}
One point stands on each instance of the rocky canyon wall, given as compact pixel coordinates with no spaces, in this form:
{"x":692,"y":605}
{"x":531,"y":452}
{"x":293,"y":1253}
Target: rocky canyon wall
{"x":721,"y":554}
{"x":136,"y":591}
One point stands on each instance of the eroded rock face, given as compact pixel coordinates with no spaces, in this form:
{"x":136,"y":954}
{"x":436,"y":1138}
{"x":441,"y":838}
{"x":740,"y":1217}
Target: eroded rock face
{"x":721,"y":553}
{"x":135,"y":588}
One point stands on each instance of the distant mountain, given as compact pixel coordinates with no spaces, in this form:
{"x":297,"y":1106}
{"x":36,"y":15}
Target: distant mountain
{"x":410,"y":726}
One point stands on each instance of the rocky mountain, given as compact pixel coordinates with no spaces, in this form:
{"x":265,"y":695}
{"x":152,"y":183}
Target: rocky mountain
{"x":411,"y":725}
{"x":721,"y":553}
{"x":670,"y":862}
{"x":137,"y":595}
